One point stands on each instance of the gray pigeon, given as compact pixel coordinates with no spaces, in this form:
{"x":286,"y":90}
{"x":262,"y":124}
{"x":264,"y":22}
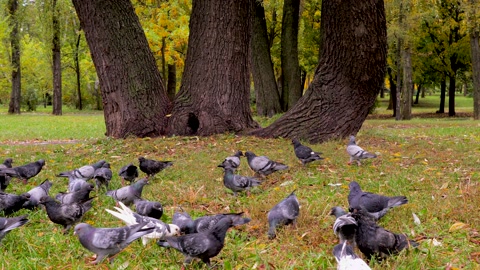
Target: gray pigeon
{"x":152,"y":167}
{"x":10,"y":203}
{"x":284,"y":213}
{"x":347,"y":259}
{"x":206,"y":223}
{"x":128,"y":194}
{"x":103,"y":175}
{"x":203,"y":245}
{"x":304,"y":153}
{"x":148,"y":208}
{"x":5,"y":179}
{"x":356,"y":152}
{"x":232,"y":161}
{"x":373,"y":240}
{"x":262,"y":165}
{"x":376,"y":205}
{"x":184,"y":222}
{"x":24,"y":172}
{"x":235,"y":182}
{"x":345,"y":225}
{"x":128,"y":172}
{"x":80,"y":195}
{"x":85,"y":172}
{"x":75,"y":184}
{"x":109,"y":241}
{"x":37,"y":193}
{"x":8,"y":224}
{"x":65,"y":214}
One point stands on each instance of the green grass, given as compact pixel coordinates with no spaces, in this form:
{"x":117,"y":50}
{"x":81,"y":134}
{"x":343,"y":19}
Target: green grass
{"x":434,"y":162}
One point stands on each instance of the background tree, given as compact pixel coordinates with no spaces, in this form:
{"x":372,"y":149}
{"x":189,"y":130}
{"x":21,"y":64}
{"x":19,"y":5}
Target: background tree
{"x":215,"y":90}
{"x":474,"y":27}
{"x":14,"y":107}
{"x":134,"y":99}
{"x":348,"y":78}
{"x":56,"y":61}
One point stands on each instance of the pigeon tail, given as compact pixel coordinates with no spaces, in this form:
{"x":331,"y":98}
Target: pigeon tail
{"x":397,"y":201}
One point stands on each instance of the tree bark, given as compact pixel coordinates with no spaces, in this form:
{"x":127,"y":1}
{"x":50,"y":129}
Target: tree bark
{"x":475,"y":54}
{"x":348,"y":78}
{"x":14,"y":106}
{"x":392,"y":103}
{"x":443,"y":89}
{"x":291,"y":83}
{"x":451,"y":95}
{"x":134,"y":98}
{"x":419,"y":90}
{"x":77,"y":72}
{"x":172,"y":81}
{"x":407,"y":85}
{"x":399,"y":55}
{"x":56,"y":62}
{"x":266,"y":92}
{"x":215,"y":92}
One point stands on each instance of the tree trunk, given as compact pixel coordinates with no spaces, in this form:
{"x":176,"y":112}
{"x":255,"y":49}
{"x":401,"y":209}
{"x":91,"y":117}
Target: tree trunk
{"x":443,"y":89}
{"x":451,"y":95}
{"x":57,"y":62}
{"x":134,"y":98}
{"x":348,"y":78}
{"x":475,"y":55}
{"x":419,"y":89}
{"x":77,"y":72}
{"x":392,"y":103}
{"x":215,"y":92}
{"x":14,"y":106}
{"x":399,"y":54}
{"x":291,"y":83}
{"x":266,"y":92}
{"x":172,"y":81}
{"x":407,"y":90}
{"x":272,"y":30}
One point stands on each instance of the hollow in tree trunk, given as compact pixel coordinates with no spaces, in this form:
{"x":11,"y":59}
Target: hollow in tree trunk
{"x":348,"y":78}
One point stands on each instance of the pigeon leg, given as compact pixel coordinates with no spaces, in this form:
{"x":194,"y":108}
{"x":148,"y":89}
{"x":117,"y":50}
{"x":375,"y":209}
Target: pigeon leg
{"x":24,"y":181}
{"x":123,"y":182}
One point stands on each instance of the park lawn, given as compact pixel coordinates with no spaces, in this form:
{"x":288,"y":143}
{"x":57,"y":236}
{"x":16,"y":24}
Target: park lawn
{"x":434,"y":162}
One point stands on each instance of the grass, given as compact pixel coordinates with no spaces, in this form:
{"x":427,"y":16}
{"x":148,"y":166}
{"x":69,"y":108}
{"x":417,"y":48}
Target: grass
{"x":434,"y":162}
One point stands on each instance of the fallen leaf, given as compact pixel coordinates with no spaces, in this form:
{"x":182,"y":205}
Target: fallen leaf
{"x":416,"y":220}
{"x":444,"y":186}
{"x":457,"y":226}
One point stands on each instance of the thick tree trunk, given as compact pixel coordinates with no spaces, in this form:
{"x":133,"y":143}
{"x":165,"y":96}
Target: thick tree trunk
{"x":215,"y":92}
{"x":172,"y":81}
{"x":134,"y":98}
{"x":291,"y":83}
{"x":57,"y":62}
{"x":77,"y":72}
{"x":266,"y":92}
{"x":475,"y":52}
{"x":348,"y":78}
{"x":14,"y":106}
{"x":443,"y":89}
{"x":451,"y":95}
{"x":407,"y":90}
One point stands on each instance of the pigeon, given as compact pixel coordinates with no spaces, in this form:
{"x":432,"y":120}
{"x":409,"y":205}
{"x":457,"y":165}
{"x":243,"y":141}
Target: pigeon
{"x":85,"y":172}
{"x":284,"y":213}
{"x":80,"y":195}
{"x":233,"y":161}
{"x":148,"y":208}
{"x":8,"y":224}
{"x":345,"y":225}
{"x":206,"y":223}
{"x":37,"y":193}
{"x":24,"y":172}
{"x":160,"y":229}
{"x":76,"y":184}
{"x":235,"y":182}
{"x":128,"y":194}
{"x":262,"y":165}
{"x":304,"y":153}
{"x":184,"y":222}
{"x":356,"y":152}
{"x":347,"y":259}
{"x":65,"y":214}
{"x":103,"y":175}
{"x":5,"y":179}
{"x":109,"y":241}
{"x":373,"y":240}
{"x":376,"y":205}
{"x":152,"y":167}
{"x":10,"y":203}
{"x":128,"y":172}
{"x":203,"y":245}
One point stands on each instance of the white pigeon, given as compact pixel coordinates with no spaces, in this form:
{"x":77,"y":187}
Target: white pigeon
{"x":161,"y":231}
{"x":347,"y":259}
{"x":356,"y":152}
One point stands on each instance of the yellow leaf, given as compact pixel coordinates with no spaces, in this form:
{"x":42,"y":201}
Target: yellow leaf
{"x":457,"y":226}
{"x":444,"y":186}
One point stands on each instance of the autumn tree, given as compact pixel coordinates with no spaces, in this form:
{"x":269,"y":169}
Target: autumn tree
{"x":214,"y":94}
{"x":348,"y":78}
{"x":134,"y":99}
{"x":14,"y":106}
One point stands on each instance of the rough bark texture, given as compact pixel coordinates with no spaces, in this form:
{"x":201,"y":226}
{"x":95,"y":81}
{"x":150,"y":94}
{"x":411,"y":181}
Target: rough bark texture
{"x":475,"y":54}
{"x":266,"y":93}
{"x":291,"y":81}
{"x":215,"y":90}
{"x":56,"y":62}
{"x":77,"y":72}
{"x":14,"y":106}
{"x":172,"y":81}
{"x":348,"y":78}
{"x":134,"y":99}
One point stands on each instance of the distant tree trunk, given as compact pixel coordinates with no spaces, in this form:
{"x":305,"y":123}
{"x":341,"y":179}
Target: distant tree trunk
{"x":77,"y":72}
{"x":164,"y":61}
{"x":422,"y":95}
{"x":172,"y":81}
{"x":215,"y":92}
{"x":419,"y":89}
{"x":407,"y":89}
{"x":57,"y":62}
{"x":348,"y":78}
{"x":443,"y":89}
{"x":266,"y":92}
{"x":475,"y":56}
{"x":291,"y":83}
{"x":14,"y":106}
{"x":399,"y":54}
{"x":382,"y":92}
{"x":272,"y":30}
{"x":134,"y":98}
{"x":392,"y":104}
{"x":451,"y":95}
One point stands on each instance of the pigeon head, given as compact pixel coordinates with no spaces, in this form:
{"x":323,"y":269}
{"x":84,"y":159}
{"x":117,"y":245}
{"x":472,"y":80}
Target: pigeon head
{"x":352,"y":140}
{"x":106,"y":165}
{"x":45,"y":199}
{"x":25,"y":195}
{"x":238,"y":154}
{"x":81,"y":229}
{"x":295,"y":143}
{"x":41,"y":162}
{"x":337,"y":211}
{"x":141,"y":159}
{"x":250,"y":155}
{"x":173,"y":230}
{"x":8,"y":162}
{"x":354,"y":187}
{"x":227,"y":164}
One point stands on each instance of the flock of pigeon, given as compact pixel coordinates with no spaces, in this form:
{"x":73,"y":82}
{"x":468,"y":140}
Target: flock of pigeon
{"x":204,"y":237}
